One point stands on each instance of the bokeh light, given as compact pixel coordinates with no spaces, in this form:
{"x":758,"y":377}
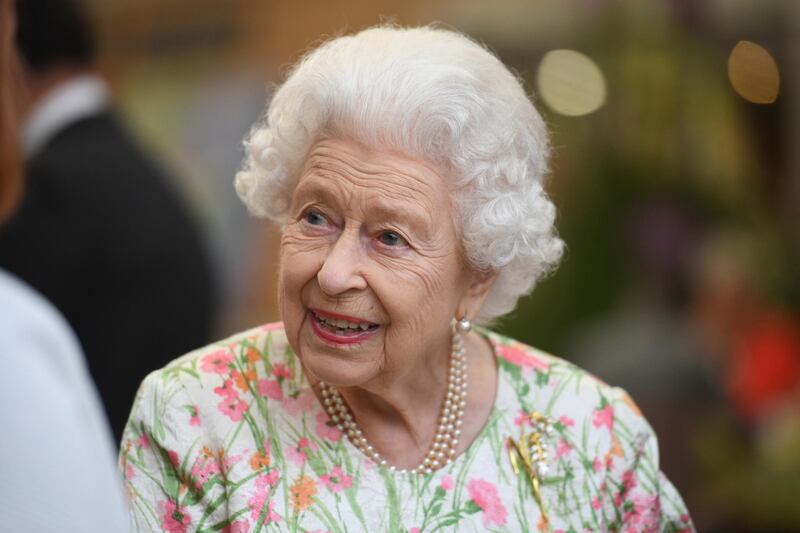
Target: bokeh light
{"x":571,"y":83}
{"x":754,"y":73}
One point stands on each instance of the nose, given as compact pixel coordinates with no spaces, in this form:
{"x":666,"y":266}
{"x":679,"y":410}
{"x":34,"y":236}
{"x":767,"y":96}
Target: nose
{"x":342,"y":269}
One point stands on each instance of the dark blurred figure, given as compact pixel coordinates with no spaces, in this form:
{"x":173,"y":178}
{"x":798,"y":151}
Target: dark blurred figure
{"x":101,"y":232}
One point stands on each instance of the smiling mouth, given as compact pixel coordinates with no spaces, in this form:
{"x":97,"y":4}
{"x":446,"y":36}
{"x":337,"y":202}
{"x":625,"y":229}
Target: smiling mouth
{"x":341,"y":326}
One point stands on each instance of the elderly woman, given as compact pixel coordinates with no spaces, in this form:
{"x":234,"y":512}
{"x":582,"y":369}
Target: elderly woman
{"x":406,"y":169}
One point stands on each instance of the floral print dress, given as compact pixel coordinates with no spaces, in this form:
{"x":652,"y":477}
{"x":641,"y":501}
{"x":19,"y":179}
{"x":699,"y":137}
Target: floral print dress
{"x":232,"y":438}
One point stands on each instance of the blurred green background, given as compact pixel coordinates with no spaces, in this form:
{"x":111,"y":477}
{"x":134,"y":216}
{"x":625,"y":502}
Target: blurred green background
{"x":676,"y":172}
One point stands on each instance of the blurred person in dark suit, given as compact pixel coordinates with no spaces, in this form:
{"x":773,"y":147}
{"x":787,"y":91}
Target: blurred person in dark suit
{"x":57,"y":471}
{"x":101,"y":232}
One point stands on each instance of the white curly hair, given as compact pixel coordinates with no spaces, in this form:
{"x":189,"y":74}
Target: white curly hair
{"x":433,"y":94}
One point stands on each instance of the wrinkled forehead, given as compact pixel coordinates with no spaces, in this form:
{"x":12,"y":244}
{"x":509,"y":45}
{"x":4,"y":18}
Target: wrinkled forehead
{"x":382,"y":179}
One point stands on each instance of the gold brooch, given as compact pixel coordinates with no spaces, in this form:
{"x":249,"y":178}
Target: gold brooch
{"x":532,"y":451}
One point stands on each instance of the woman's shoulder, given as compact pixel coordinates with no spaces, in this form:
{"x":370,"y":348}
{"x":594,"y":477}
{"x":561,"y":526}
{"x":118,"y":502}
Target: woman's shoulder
{"x":573,"y":397}
{"x":599,"y":436}
{"x":517,"y":358}
{"x":253,"y":361}
{"x":268,"y":339}
{"x":206,"y":393}
{"x":267,"y":342}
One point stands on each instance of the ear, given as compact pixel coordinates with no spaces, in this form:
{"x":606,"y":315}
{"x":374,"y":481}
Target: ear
{"x":472,"y":300}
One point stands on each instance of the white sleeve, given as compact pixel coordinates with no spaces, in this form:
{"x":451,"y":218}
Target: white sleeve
{"x":57,"y":469}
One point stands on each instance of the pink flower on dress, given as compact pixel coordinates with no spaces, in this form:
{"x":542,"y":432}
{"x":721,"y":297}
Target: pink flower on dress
{"x":562,"y":449}
{"x":297,"y":454}
{"x":195,"y":418}
{"x":336,"y":481}
{"x":204,"y":467}
{"x":174,"y":518}
{"x":326,"y":429}
{"x":596,"y":504}
{"x":226,"y":390}
{"x":270,"y":388}
{"x":217,"y":362}
{"x":279,"y":370}
{"x":301,"y":403}
{"x":256,"y":503}
{"x":519,"y":356}
{"x":597,"y":464}
{"x":228,"y":461}
{"x":129,"y":472}
{"x":447,"y":482}
{"x":413,"y":530}
{"x":174,"y":459}
{"x":523,"y":418}
{"x":628,"y":481}
{"x":566,"y":421}
{"x":644,"y":515}
{"x":269,"y":480}
{"x":604,"y":417}
{"x":240,"y":526}
{"x":485,"y":496}
{"x":233,"y":407}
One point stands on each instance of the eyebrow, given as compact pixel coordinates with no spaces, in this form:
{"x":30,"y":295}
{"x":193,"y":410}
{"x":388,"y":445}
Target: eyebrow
{"x":415,"y":217}
{"x":314,"y":190}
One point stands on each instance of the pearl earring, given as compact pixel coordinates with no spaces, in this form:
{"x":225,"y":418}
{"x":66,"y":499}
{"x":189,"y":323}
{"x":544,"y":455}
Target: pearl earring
{"x":463,"y":325}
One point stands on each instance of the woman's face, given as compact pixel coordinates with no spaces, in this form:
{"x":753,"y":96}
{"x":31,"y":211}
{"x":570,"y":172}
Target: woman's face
{"x":371,"y":266}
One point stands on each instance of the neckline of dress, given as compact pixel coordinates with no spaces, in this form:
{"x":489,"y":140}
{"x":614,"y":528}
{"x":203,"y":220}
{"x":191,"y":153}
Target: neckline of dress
{"x":353,"y":451}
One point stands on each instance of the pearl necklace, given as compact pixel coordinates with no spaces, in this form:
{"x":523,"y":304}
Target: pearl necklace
{"x":445,"y":442}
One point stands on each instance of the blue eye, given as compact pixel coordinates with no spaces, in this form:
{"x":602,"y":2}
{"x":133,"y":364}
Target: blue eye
{"x":314,"y":218}
{"x":391,"y":238}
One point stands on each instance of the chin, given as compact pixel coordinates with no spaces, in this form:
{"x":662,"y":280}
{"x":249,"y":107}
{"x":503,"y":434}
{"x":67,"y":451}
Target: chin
{"x":336,"y":368}
{"x":338,"y":373}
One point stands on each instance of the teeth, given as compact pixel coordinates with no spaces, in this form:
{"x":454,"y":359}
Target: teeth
{"x":343,"y":324}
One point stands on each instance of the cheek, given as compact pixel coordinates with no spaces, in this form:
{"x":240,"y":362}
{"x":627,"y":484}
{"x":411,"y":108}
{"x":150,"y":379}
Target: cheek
{"x":301,"y":255}
{"x":420,"y":296}
{"x":300,"y":261}
{"x":419,"y":320}
{"x":433,"y":280}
